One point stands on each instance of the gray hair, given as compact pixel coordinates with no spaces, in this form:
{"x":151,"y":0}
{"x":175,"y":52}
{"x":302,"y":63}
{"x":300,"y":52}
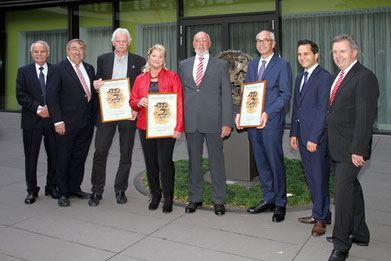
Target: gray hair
{"x":160,"y":48}
{"x":121,"y":31}
{"x":77,"y":41}
{"x":41,"y":42}
{"x":350,"y":38}
{"x":270,"y":32}
{"x":207,"y":35}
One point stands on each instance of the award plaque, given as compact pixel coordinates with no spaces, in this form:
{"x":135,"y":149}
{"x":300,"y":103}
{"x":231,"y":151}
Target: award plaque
{"x":251,"y":108}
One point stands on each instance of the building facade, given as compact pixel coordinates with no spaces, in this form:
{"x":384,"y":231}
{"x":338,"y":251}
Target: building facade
{"x":232,"y":24}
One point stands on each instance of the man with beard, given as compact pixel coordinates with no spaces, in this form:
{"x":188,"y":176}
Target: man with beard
{"x":208,"y":115}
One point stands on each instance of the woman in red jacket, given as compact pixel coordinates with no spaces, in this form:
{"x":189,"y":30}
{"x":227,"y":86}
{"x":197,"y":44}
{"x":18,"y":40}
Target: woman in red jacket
{"x":158,"y":152}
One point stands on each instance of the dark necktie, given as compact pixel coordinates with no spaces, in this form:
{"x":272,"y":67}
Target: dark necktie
{"x":261,"y":70}
{"x":305,"y":81}
{"x":42,"y":84}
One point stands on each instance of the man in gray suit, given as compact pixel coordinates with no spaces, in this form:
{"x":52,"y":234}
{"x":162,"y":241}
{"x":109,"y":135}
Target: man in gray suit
{"x":208,"y":114}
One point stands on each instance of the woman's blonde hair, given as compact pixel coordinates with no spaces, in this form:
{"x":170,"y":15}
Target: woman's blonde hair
{"x":160,"y":48}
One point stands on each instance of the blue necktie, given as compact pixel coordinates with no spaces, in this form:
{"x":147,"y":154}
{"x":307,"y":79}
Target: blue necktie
{"x":42,"y":83}
{"x":261,"y":70}
{"x":305,"y":81}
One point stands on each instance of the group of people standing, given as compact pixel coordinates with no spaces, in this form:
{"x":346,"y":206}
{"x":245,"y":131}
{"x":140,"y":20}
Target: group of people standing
{"x":331,"y":126}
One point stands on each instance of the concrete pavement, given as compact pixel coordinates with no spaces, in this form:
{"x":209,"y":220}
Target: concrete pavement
{"x":43,"y":231}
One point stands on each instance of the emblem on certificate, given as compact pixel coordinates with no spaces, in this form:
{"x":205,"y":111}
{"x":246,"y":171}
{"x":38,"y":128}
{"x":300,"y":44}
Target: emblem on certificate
{"x":114,"y":98}
{"x":251,"y":109}
{"x":161,"y":115}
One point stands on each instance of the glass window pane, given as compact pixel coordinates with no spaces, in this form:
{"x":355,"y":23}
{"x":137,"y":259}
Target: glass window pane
{"x":25,"y":27}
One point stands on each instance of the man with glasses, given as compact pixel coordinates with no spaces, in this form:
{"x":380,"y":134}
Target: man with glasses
{"x":115,"y":65}
{"x":266,"y":140}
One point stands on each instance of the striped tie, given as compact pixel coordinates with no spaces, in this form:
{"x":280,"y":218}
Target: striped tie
{"x":340,"y":78}
{"x":200,"y":72}
{"x":83,"y":82}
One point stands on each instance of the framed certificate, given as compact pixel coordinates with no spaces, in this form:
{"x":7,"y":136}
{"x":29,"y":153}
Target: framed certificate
{"x":251,"y":108}
{"x":161,"y":115}
{"x":114,"y":98}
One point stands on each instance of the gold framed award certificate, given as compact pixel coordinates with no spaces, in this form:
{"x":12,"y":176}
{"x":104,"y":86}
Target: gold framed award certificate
{"x":161,"y":115}
{"x":251,"y":108}
{"x":114,"y":98}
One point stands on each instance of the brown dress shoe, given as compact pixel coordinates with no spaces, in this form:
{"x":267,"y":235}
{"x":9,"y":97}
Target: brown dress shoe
{"x":319,"y":228}
{"x":310,"y":220}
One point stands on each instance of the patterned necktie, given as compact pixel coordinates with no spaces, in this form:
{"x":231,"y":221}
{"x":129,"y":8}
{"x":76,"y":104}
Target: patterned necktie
{"x":305,"y":81}
{"x":42,"y":84}
{"x":261,"y":70}
{"x":200,"y":72}
{"x":340,"y":78}
{"x":83,"y":82}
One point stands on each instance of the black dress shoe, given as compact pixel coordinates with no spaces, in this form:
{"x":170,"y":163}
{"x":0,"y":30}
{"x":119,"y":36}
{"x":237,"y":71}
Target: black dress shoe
{"x":192,"y":207}
{"x":338,"y":255}
{"x":121,"y":198}
{"x":261,"y":207}
{"x":219,"y":209}
{"x":154,"y":203}
{"x":279,"y":214}
{"x":63,"y":201}
{"x":82,"y":195}
{"x":30,"y":199}
{"x":51,"y":192}
{"x":167,"y":206}
{"x":94,"y":200}
{"x":354,"y":239}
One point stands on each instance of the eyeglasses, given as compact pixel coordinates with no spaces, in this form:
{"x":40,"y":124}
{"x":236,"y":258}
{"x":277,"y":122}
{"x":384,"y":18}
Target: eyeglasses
{"x":264,"y":41}
{"x":203,"y":40}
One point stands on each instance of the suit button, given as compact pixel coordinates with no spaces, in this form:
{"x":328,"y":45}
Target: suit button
{"x":299,"y":109}
{"x":198,"y":90}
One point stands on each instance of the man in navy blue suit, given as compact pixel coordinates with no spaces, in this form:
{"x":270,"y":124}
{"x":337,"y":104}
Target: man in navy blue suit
{"x":71,"y":102}
{"x":31,"y":95}
{"x":266,"y":140}
{"x":308,"y":132}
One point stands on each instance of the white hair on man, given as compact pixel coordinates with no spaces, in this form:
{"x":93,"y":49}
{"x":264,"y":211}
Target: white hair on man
{"x":121,"y":31}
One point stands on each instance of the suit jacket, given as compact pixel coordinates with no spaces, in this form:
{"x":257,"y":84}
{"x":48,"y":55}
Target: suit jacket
{"x":278,"y":76}
{"x":350,"y":119}
{"x":105,"y":65}
{"x":310,"y":107}
{"x":67,"y":100}
{"x":208,"y":107}
{"x":168,"y":82}
{"x":30,"y":96}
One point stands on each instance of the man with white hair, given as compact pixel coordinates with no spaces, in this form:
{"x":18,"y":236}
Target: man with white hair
{"x":114,"y":65}
{"x":31,"y":95}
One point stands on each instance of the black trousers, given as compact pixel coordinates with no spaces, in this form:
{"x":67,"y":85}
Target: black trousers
{"x":158,"y":159}
{"x":349,"y":206}
{"x":72,"y":150}
{"x":32,"y":143}
{"x":103,"y":140}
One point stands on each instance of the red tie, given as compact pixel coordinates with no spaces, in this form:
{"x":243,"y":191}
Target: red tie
{"x":83,"y":82}
{"x":340,"y":78}
{"x":200,"y":72}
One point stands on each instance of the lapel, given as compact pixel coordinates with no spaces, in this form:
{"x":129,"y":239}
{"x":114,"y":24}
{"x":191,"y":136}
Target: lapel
{"x":346,"y":80}
{"x":209,"y":70}
{"x":34,"y":77}
{"x":309,"y":82}
{"x":297,"y":88}
{"x":269,"y":67}
{"x":189,"y":71}
{"x":69,"y":68}
{"x":109,"y":65}
{"x":131,"y":65}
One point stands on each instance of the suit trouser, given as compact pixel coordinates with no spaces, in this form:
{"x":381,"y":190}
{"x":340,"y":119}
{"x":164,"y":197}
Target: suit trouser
{"x":269,"y":158}
{"x":32,"y":142}
{"x":158,"y":159}
{"x":72,"y":150}
{"x":349,"y":206}
{"x":214,"y":143}
{"x":103,"y":140}
{"x":317,"y":172}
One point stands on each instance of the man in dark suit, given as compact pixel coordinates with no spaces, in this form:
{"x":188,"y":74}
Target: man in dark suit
{"x":308,"y":132}
{"x":71,"y":105}
{"x":31,"y":95}
{"x":115,"y":65}
{"x":350,"y":118}
{"x":266,"y":140}
{"x":208,"y":115}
